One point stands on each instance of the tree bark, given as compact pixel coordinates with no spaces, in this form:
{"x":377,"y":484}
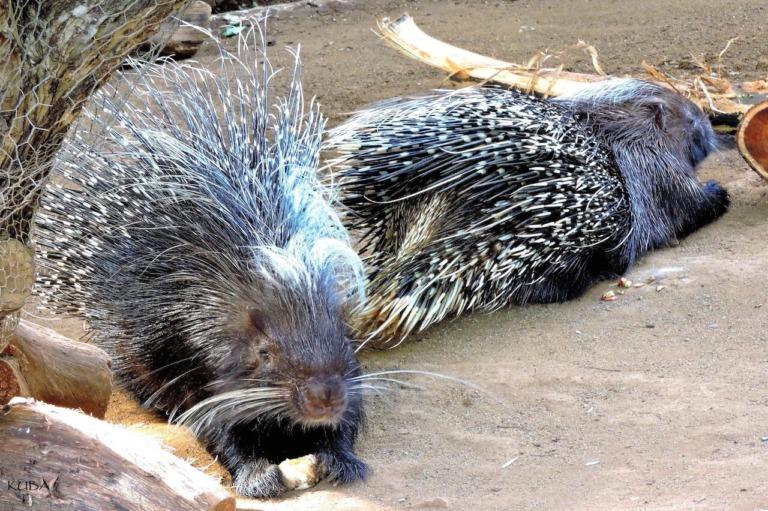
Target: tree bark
{"x":12,"y":382}
{"x":183,"y":41}
{"x":56,"y":458}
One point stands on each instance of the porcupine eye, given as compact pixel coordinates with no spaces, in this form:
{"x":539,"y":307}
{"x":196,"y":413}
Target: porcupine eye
{"x":256,"y":352}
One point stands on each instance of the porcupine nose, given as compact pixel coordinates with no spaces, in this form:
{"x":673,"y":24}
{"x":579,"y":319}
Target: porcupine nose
{"x":325,"y":399}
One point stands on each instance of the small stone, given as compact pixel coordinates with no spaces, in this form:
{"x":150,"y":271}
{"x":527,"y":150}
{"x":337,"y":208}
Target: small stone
{"x":436,"y":503}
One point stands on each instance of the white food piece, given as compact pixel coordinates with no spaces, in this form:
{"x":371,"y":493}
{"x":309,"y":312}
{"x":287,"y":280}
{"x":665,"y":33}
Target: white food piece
{"x":300,"y":473}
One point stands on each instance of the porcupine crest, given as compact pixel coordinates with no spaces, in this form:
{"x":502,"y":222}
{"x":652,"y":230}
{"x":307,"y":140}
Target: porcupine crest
{"x":484,"y":197}
{"x":200,"y":247}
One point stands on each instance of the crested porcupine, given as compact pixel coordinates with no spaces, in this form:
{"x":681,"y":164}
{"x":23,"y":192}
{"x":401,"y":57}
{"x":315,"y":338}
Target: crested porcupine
{"x":204,"y":253}
{"x":484,"y":197}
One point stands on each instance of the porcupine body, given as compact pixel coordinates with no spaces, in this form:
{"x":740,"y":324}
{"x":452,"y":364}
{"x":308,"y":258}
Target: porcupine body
{"x":485,"y":197}
{"x":200,"y":247}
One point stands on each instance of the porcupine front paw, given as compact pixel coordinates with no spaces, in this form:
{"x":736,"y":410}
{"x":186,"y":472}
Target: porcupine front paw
{"x":718,"y":197}
{"x":342,"y":468}
{"x":709,"y":207}
{"x":261,"y":479}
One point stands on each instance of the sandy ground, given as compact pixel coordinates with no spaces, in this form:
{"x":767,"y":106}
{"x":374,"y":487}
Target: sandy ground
{"x":654,"y":401}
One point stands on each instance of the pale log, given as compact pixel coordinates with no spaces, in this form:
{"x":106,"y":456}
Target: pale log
{"x":406,"y":37}
{"x":62,"y":371}
{"x":57,"y":458}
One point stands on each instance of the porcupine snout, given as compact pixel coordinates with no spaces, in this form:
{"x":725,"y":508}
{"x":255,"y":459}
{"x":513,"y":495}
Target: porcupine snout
{"x":322,"y":399}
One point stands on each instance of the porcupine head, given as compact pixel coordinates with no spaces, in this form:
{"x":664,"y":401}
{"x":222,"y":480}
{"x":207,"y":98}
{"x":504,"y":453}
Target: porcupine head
{"x":658,"y":138}
{"x":285,"y":383}
{"x":211,"y":264}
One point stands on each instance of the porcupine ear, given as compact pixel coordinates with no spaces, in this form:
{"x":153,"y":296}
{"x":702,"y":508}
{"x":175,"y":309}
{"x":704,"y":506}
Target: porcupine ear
{"x":658,"y":111}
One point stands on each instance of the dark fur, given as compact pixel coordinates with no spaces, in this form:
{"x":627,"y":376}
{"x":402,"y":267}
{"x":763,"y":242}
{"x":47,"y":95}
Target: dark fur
{"x":658,"y":138}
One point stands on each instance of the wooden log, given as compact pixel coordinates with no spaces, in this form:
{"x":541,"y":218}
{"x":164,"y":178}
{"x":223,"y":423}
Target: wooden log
{"x":752,"y":138}
{"x":12,"y":382}
{"x":61,"y":371}
{"x":409,"y":39}
{"x":55,"y":458}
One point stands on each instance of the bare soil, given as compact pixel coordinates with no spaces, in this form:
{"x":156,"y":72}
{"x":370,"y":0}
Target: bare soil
{"x":654,"y":401}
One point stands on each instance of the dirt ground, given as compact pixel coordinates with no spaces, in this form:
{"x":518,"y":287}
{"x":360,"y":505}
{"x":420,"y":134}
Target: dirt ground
{"x":654,"y":401}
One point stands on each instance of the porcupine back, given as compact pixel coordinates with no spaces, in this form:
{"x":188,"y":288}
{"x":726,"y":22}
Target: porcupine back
{"x":434,"y":182}
{"x":200,"y":206}
{"x":484,"y":197}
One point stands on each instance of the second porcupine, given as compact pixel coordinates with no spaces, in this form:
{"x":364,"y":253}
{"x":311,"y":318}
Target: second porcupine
{"x":198,"y":244}
{"x":485,"y":197}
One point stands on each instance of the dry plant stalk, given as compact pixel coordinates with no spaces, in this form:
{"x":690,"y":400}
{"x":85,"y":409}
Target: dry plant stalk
{"x":712,"y":94}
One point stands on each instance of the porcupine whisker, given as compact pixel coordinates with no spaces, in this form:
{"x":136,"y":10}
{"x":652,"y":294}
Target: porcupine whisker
{"x":226,"y":412}
{"x":465,"y":382}
{"x":400,"y":383}
{"x":378,"y":389}
{"x":148,"y":402}
{"x":245,"y":399}
{"x":148,"y":374}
